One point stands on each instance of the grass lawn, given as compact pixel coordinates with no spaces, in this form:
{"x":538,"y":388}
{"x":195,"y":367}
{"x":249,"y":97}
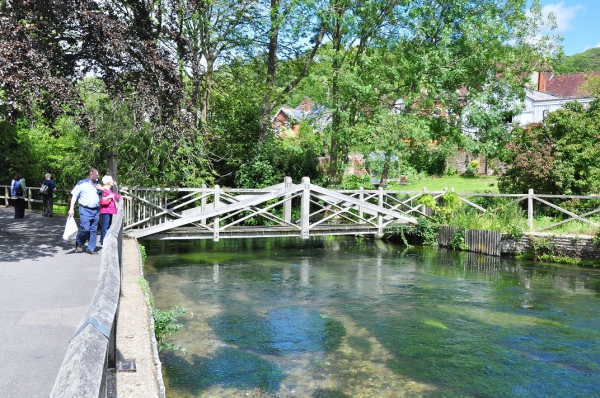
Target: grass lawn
{"x":459,"y":183}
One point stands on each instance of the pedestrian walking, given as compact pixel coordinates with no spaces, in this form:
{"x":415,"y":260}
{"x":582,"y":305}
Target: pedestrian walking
{"x":18,"y":189}
{"x":87,"y":192}
{"x":48,"y":194}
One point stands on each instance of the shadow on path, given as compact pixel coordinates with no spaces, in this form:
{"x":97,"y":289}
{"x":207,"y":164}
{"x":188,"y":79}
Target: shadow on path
{"x":32,"y":237}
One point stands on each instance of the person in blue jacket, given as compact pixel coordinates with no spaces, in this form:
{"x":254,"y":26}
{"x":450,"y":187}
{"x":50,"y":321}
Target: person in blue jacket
{"x":48,"y":197}
{"x":18,"y":195}
{"x":87,"y":192}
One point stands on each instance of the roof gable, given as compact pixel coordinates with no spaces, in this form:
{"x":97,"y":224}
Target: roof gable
{"x":568,"y":86}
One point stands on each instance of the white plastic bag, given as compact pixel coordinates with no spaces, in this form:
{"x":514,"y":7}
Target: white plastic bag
{"x":70,"y":229}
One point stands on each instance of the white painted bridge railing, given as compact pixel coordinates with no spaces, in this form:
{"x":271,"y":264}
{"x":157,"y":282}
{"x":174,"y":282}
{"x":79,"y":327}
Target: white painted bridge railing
{"x":157,"y":210}
{"x":217,"y":210}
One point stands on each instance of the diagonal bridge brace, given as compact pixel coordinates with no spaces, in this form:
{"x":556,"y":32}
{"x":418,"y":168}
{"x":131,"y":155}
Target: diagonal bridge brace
{"x":215,"y":212}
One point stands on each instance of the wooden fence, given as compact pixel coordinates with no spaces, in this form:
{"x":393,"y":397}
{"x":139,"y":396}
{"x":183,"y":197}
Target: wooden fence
{"x":62,"y":197}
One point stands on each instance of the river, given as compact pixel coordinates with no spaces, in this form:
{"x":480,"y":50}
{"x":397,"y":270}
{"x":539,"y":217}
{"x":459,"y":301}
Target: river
{"x":348,"y":317}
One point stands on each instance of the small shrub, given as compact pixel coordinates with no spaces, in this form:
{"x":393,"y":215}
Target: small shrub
{"x":165,"y":323}
{"x":458,"y":240}
{"x":424,"y":233}
{"x":143,"y":253}
{"x":472,"y":168}
{"x":597,"y":239}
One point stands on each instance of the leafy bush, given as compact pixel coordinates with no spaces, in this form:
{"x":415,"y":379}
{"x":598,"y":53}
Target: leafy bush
{"x":352,"y":181}
{"x":557,"y":156}
{"x":165,"y":323}
{"x":472,"y":167}
{"x":424,"y":233}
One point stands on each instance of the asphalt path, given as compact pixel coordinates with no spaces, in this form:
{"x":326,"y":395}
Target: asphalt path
{"x":45,"y":290}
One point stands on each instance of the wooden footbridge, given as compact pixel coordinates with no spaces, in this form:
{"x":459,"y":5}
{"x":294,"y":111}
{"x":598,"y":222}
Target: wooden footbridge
{"x":286,"y":209}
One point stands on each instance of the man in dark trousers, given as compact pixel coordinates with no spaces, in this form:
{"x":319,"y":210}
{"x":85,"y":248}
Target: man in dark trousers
{"x":48,"y":197}
{"x":87,"y":192}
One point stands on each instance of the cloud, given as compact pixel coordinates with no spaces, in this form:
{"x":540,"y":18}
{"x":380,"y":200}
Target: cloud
{"x":564,"y":15}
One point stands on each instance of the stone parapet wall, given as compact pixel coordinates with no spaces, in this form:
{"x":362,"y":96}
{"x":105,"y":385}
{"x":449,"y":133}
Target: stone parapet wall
{"x":576,"y":246}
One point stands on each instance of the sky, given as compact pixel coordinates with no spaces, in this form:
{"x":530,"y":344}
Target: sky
{"x":578,"y":23}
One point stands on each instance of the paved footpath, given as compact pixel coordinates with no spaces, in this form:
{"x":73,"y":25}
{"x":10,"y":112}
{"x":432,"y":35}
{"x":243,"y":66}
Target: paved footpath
{"x":45,"y":290}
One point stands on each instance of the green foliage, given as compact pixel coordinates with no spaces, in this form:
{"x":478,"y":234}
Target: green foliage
{"x":277,"y":158}
{"x":586,"y":61}
{"x":142,"y":249}
{"x":458,"y":240}
{"x":473,"y":167}
{"x":597,"y":239}
{"x":352,"y":182}
{"x":424,"y":233}
{"x":165,"y":322}
{"x":558,"y":156}
{"x":451,"y":203}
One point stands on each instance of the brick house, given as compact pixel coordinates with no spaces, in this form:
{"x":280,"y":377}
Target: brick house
{"x":286,"y":121}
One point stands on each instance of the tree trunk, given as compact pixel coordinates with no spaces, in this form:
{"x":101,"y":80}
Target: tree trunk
{"x":267,"y":107}
{"x":336,"y":120}
{"x":205,"y":98}
{"x":385,"y":172}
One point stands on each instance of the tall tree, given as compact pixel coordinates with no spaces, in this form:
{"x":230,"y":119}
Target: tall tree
{"x":289,"y":25}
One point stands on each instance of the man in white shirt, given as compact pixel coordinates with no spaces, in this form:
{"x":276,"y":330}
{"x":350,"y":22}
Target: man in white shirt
{"x":87,"y":192}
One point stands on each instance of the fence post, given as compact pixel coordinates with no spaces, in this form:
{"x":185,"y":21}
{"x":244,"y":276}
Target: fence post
{"x":379,"y":214}
{"x":216,"y":220}
{"x":203,"y":204}
{"x":287,"y":205}
{"x":361,"y":196}
{"x":29,"y":198}
{"x":530,"y":209}
{"x":305,"y":208}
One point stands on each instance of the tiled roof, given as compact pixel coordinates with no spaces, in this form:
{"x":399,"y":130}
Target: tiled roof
{"x":567,"y":86}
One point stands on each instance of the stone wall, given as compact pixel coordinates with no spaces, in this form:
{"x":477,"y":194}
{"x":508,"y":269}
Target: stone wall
{"x":575,"y":246}
{"x":461,"y":159}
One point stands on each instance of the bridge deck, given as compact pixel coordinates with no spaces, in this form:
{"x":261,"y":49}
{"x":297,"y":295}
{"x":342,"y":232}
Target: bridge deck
{"x":263,"y":232}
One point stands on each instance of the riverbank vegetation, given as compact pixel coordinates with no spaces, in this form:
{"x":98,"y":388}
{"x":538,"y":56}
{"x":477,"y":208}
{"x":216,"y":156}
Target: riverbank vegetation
{"x":165,"y":322}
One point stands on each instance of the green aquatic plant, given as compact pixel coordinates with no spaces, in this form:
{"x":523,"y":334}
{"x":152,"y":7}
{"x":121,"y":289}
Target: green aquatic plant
{"x":165,"y":322}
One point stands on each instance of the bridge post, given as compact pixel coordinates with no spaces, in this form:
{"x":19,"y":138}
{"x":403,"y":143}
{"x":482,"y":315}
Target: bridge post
{"x":305,"y":208}
{"x":530,"y":209}
{"x":287,"y":205}
{"x":216,"y":220}
{"x":380,"y":215}
{"x":203,"y":204}
{"x":361,"y":196}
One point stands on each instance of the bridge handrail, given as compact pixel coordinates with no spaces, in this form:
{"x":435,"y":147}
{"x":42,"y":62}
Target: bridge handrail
{"x":397,"y":200}
{"x":92,"y":348}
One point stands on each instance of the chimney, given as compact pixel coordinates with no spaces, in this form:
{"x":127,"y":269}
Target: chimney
{"x":542,"y":82}
{"x":306,"y":104}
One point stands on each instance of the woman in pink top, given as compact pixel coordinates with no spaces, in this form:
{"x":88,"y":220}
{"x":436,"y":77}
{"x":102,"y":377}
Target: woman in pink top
{"x":108,"y":205}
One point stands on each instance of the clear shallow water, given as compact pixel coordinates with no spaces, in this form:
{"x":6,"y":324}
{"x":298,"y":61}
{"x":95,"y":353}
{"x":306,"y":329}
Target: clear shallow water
{"x":361,"y":318}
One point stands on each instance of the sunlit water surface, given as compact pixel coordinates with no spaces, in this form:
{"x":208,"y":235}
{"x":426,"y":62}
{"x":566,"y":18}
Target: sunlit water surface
{"x":361,"y":318}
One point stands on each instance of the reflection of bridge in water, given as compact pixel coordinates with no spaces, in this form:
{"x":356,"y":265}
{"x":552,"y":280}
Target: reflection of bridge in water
{"x":285,"y":209}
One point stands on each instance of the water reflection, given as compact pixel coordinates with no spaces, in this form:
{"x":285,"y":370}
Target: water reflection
{"x":347,"y":317}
